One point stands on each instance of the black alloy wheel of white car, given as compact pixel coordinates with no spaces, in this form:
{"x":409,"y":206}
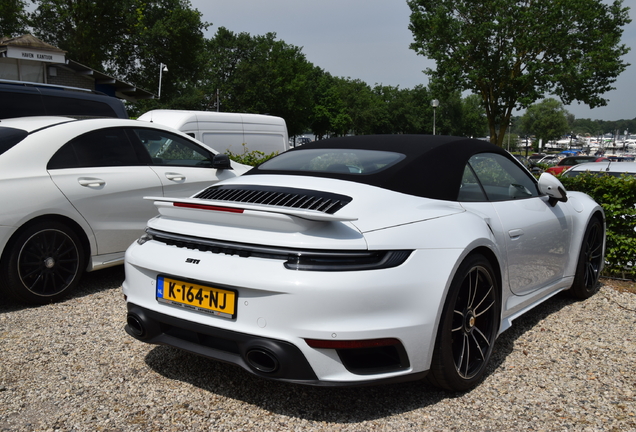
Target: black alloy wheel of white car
{"x":44,"y":263}
{"x":468,"y":327}
{"x":588,"y":268}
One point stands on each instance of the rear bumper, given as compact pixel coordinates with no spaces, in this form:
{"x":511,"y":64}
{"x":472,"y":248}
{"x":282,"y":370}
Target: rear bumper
{"x":265,"y":357}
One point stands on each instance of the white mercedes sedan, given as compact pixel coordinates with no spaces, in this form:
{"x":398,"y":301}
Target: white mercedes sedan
{"x":72,"y":194}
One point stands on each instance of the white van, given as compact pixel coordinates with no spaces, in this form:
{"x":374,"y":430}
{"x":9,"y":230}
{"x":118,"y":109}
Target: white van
{"x":227,"y":131}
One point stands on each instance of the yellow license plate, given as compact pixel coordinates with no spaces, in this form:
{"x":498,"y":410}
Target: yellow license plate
{"x":190,"y":295}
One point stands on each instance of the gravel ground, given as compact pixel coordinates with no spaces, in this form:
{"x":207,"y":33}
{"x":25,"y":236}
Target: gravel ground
{"x":565,"y":366}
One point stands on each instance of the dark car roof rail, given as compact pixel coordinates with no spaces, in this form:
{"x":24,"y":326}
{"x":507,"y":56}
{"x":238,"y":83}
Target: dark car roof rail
{"x":51,"y":86}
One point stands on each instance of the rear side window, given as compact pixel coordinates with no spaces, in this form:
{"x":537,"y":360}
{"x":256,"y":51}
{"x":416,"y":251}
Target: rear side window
{"x":495,"y":178}
{"x":100,"y":148}
{"x":61,"y":106}
{"x":9,"y":137}
{"x":21,"y":105}
{"x":165,"y":148}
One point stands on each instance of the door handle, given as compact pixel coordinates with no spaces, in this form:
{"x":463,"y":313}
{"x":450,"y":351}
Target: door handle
{"x":91,"y":182}
{"x":515,"y":233}
{"x":175,"y":176}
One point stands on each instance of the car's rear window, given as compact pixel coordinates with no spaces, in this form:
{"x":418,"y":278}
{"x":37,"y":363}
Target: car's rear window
{"x":61,"y":106}
{"x":343,"y":161}
{"x":9,"y":137}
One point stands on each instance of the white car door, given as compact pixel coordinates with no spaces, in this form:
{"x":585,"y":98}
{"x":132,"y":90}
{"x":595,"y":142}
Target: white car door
{"x":535,"y":234}
{"x":102,"y":176}
{"x":183,"y":166}
{"x":537,"y":242}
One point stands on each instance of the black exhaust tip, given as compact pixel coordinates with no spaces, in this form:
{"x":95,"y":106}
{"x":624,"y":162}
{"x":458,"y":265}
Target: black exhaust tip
{"x":135,"y":325}
{"x":262,"y":360}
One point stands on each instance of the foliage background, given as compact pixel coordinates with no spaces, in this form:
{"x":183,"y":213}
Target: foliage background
{"x":617,"y":196}
{"x":239,"y":72}
{"x":512,"y":53}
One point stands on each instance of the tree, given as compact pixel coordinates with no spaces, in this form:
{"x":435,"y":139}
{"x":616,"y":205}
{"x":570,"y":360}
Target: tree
{"x":422,"y":123}
{"x":512,"y":52}
{"x":403,"y":110}
{"x":168,"y":32}
{"x":329,"y":113}
{"x":361,"y":105}
{"x":259,"y":74}
{"x":449,"y":117}
{"x":127,"y":38}
{"x":585,"y":127}
{"x":90,"y":31}
{"x":13,"y":18}
{"x":474,"y":119}
{"x":546,"y":120}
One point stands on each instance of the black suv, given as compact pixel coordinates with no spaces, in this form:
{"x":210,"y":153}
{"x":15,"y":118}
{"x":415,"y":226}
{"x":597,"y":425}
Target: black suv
{"x":19,"y":99}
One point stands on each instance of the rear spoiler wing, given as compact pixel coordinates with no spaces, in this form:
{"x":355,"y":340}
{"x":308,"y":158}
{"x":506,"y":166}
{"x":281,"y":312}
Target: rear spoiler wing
{"x":173,"y":206}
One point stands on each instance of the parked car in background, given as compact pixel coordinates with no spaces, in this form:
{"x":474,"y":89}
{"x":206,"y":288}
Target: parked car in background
{"x":302,"y":140}
{"x":18,"y":99}
{"x":550,"y":160}
{"x":570,"y":161}
{"x":531,"y":166}
{"x":362,"y":259}
{"x":623,"y":158}
{"x":72,"y":194}
{"x":536,"y":157}
{"x":608,"y":167}
{"x":570,"y":152}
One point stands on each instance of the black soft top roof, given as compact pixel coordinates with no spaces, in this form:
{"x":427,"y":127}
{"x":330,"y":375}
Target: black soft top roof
{"x":433,"y":166}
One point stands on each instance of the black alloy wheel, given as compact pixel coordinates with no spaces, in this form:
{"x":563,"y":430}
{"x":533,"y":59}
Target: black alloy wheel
{"x":588,"y":269}
{"x":468,"y":328}
{"x":44,"y":263}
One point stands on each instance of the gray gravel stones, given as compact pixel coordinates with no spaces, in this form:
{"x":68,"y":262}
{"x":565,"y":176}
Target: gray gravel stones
{"x":565,"y":366}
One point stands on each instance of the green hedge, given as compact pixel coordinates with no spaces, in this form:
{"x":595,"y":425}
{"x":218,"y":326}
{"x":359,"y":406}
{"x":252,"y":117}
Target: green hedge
{"x":617,"y":196}
{"x":248,"y":157}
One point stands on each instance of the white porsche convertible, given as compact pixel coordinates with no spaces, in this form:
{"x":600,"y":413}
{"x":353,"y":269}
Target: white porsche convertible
{"x":362,"y":259}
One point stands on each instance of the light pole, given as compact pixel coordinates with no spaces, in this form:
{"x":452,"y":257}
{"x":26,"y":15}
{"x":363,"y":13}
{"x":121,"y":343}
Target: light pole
{"x":434,"y":104}
{"x":509,"y":129}
{"x":162,"y":68}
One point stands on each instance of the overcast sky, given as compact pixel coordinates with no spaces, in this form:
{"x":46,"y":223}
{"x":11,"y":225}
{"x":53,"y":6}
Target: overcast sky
{"x":369,"y":40}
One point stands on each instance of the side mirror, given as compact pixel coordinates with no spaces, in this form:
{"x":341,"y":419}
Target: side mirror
{"x":551,"y":186}
{"x":221,"y":161}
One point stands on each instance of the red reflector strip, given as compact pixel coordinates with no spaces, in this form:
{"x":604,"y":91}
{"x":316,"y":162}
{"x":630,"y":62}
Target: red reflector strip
{"x":207,"y":207}
{"x":344,"y":344}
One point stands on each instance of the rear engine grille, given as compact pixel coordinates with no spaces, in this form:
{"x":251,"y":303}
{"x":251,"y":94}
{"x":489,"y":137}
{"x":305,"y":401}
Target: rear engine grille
{"x":324,"y":202}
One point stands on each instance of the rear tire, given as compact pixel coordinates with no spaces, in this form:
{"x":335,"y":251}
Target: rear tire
{"x":588,"y":268}
{"x":468,"y":327}
{"x":43,"y":264}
